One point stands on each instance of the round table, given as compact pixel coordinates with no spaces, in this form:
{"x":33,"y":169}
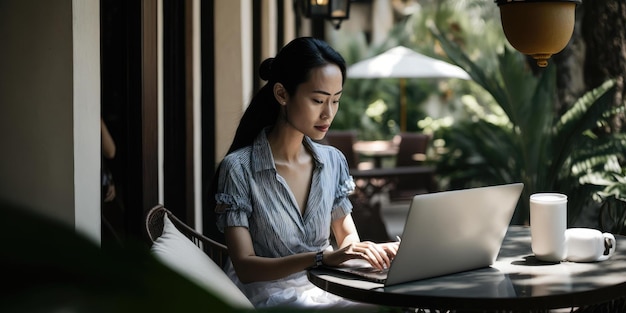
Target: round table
{"x":377,"y":150}
{"x":516,"y":282}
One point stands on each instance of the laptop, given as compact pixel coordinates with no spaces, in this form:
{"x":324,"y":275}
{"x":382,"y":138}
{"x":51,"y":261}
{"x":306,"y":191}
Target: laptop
{"x":447,"y":232}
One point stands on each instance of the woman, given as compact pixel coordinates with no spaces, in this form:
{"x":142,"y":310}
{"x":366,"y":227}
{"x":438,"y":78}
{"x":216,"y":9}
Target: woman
{"x":279,"y":194}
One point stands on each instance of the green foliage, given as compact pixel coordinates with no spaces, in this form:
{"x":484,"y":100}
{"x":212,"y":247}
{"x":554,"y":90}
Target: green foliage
{"x":500,"y":129}
{"x":360,"y":96}
{"x":50,"y":267}
{"x":544,"y":151}
{"x":612,"y":197}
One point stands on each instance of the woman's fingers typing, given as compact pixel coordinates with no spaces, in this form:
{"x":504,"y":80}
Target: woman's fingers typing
{"x":379,"y":255}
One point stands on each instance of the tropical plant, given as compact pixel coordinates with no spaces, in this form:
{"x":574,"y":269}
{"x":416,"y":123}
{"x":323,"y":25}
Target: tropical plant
{"x":372,"y":105}
{"x":527,"y":142}
{"x":612,"y":198}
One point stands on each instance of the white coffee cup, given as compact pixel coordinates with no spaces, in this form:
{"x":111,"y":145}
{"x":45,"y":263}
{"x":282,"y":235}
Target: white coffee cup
{"x":588,"y":245}
{"x":548,"y":221}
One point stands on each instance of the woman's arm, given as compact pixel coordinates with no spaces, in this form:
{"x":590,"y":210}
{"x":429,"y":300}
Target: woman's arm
{"x":345,"y":231}
{"x":250,"y":267}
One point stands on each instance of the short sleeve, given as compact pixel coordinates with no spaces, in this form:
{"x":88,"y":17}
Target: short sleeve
{"x":233,"y":196}
{"x":345,"y":186}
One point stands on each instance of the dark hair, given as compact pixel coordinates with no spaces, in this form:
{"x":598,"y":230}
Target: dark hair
{"x":291,"y":67}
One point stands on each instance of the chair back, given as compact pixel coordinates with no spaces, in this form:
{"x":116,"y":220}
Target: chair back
{"x":412,"y":149}
{"x":344,"y":141}
{"x":154,"y":228}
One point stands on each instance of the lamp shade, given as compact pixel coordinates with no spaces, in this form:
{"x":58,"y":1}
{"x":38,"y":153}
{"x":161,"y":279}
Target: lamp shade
{"x":340,"y":9}
{"x":316,"y":8}
{"x":539,"y":28}
{"x":333,"y":10}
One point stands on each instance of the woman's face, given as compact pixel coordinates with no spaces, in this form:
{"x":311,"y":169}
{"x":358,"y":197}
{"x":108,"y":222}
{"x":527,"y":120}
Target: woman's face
{"x":312,"y":109}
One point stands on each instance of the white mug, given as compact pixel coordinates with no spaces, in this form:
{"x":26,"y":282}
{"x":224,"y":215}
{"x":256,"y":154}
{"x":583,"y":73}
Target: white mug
{"x":588,"y":245}
{"x":548,"y":221}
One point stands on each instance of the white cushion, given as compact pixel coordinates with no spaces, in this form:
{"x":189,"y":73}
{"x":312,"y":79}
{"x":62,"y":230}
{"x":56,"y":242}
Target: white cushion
{"x":180,"y":254}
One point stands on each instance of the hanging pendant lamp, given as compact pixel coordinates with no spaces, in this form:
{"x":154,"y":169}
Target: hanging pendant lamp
{"x":538,"y":28}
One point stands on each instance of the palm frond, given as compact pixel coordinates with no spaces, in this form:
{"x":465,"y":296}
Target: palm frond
{"x":544,"y":152}
{"x":582,"y":105}
{"x":459,"y":58}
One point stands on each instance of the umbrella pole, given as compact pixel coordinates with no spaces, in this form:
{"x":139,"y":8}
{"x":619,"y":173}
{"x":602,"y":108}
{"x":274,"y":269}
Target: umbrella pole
{"x":403,"y":104}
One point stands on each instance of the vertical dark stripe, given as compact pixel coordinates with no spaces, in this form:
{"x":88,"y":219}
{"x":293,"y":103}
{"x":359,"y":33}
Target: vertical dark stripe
{"x":207,"y":25}
{"x":149,"y":134}
{"x":318,"y":28}
{"x":188,"y":123}
{"x":298,"y":17}
{"x":174,"y":108}
{"x":280,"y":24}
{"x":123,"y":25}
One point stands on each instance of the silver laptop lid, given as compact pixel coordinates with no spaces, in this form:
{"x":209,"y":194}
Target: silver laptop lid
{"x":453,"y":231}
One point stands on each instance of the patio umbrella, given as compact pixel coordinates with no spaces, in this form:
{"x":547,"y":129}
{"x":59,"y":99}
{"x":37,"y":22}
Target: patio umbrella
{"x":402,"y":62}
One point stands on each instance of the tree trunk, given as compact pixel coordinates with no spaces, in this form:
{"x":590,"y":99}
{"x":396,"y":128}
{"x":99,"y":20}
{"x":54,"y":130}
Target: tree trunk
{"x":570,"y":81}
{"x":596,"y":53}
{"x":604,"y":34}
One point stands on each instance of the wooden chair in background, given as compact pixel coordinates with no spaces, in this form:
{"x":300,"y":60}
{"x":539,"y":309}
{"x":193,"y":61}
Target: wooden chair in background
{"x":412,"y":150}
{"x":344,"y":141}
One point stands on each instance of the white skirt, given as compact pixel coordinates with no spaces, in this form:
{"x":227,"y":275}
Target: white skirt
{"x":292,"y":291}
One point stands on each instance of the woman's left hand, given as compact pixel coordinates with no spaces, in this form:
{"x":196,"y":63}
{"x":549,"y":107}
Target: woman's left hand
{"x":379,"y":255}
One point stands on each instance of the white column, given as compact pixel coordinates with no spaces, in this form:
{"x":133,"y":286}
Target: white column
{"x":382,"y":17}
{"x":233,"y":68}
{"x":289,"y":25}
{"x":50,"y":109}
{"x":86,"y":112}
{"x":268,"y":21}
{"x":197,"y":114}
{"x":160,"y":104}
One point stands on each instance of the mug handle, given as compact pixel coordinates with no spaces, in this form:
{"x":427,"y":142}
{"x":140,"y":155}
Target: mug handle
{"x":609,"y":246}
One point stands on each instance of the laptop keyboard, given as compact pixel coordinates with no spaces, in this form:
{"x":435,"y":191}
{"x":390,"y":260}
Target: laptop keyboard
{"x":373,"y":270}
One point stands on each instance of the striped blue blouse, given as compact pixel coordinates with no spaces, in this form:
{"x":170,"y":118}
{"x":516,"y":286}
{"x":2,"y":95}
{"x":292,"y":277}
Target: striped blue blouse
{"x":252,"y":194}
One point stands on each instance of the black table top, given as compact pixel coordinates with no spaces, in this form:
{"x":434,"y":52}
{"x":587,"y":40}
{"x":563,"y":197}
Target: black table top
{"x":517,"y":281}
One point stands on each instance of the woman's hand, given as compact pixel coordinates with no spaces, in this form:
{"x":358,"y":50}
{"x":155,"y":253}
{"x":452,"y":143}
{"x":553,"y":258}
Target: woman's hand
{"x":379,"y":255}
